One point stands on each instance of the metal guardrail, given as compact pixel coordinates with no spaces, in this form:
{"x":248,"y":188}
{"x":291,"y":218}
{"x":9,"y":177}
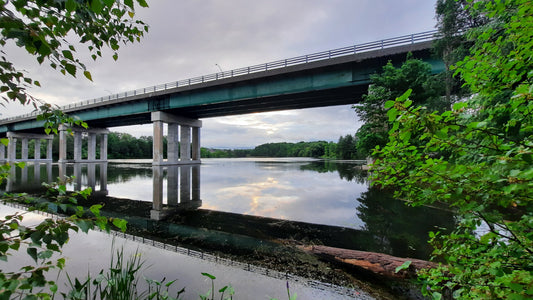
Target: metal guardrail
{"x":299,"y":60}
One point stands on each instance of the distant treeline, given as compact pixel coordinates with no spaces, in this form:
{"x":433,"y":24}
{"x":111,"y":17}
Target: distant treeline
{"x":126,"y":146}
{"x":343,"y":149}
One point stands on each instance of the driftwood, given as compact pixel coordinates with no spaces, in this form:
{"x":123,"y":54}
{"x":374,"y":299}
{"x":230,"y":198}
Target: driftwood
{"x":377,"y":263}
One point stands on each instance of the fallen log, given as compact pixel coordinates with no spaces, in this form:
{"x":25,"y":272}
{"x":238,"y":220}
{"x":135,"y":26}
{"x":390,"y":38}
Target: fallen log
{"x":377,"y":263}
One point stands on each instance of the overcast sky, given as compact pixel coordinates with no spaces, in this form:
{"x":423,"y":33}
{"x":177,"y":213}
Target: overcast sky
{"x":189,"y":38}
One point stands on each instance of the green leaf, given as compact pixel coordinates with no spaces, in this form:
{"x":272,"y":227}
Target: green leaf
{"x":392,"y":114}
{"x":405,"y":95}
{"x":407,"y":103}
{"x":404,"y":266}
{"x":129,"y":3}
{"x":209,"y":275}
{"x":71,"y":5}
{"x":120,"y":223}
{"x":95,"y":209}
{"x":87,"y":74}
{"x":459,"y":105}
{"x":142,"y":3}
{"x":33,"y":253}
{"x":97,"y":6}
{"x":45,"y":254}
{"x":83,"y":225}
{"x":71,"y":69}
{"x":68,"y":54}
{"x":389,"y":104}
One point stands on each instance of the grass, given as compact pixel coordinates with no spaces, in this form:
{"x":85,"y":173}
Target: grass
{"x":120,"y":282}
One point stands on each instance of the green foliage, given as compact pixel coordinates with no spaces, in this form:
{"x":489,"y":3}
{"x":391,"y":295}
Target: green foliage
{"x":46,"y":238}
{"x":453,"y":18}
{"x":319,"y":149}
{"x":211,"y":293}
{"x":123,"y":146}
{"x":41,"y":29}
{"x":53,"y":118}
{"x":120,"y":281}
{"x":403,"y":266}
{"x":347,"y":148}
{"x":388,"y":85}
{"x":476,"y":158}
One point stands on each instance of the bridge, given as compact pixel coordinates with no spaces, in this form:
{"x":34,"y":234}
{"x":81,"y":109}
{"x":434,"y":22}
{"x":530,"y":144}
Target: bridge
{"x":333,"y":77}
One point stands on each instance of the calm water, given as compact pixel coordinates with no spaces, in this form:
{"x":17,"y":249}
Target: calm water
{"x":246,"y":201}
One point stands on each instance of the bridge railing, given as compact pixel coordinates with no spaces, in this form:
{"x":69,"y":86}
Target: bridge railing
{"x":324,"y":55}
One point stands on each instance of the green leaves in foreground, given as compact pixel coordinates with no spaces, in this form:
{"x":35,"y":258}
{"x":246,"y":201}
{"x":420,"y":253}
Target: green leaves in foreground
{"x":45,"y":239}
{"x":41,"y":29}
{"x":477,"y":159}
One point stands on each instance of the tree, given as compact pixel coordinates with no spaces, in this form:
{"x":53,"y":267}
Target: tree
{"x":487,"y":174}
{"x":346,"y":148}
{"x":453,"y":19}
{"x":388,"y":85}
{"x":43,"y":29}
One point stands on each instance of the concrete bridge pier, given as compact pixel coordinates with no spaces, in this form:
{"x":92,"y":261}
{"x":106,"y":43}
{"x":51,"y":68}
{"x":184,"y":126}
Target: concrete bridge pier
{"x":78,"y":143}
{"x":25,"y":138}
{"x":179,"y":147}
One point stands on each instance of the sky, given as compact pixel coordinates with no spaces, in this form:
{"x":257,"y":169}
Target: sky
{"x":190,"y":38}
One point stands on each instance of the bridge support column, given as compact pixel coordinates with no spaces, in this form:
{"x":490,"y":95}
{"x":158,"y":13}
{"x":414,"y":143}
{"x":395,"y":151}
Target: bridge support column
{"x":24,"y":150}
{"x":196,"y":143}
{"x":173,"y":144}
{"x":12,"y":148}
{"x":2,"y":152}
{"x":178,"y":148}
{"x":185,"y":142}
{"x":158,"y":143}
{"x":103,"y":147}
{"x":91,"y":149}
{"x":62,"y":144}
{"x":49,"y":150}
{"x":78,"y":143}
{"x":37,"y":149}
{"x":25,"y":138}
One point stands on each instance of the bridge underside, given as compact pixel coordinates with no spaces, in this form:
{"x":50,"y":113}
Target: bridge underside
{"x":309,"y":99}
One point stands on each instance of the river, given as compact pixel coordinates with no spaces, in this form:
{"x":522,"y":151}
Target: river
{"x":251,"y":206}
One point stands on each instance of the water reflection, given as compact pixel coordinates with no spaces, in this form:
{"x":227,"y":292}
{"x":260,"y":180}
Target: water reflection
{"x":183,"y":190}
{"x":396,"y":227}
{"x":31,"y":176}
{"x":256,"y":200}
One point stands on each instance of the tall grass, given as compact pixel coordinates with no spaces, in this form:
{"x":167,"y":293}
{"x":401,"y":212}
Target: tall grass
{"x":119,"y":282}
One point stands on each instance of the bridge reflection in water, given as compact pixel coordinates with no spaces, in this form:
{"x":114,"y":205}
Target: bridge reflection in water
{"x":182,"y":192}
